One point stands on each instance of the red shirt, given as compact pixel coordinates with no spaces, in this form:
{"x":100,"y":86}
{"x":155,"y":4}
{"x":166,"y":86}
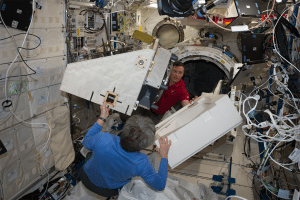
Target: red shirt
{"x":171,"y":96}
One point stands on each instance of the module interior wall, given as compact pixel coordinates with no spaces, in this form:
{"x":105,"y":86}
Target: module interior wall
{"x":22,"y":164}
{"x":150,"y":18}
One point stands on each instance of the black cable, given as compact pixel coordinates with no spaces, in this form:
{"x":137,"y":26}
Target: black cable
{"x":254,"y":186}
{"x":22,"y":56}
{"x":284,"y":145}
{"x":17,"y":35}
{"x":26,"y":65}
{"x":247,"y":156}
{"x":89,"y":30}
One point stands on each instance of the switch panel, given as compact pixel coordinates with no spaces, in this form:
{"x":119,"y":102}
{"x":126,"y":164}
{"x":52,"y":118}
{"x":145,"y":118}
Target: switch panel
{"x":78,"y":22}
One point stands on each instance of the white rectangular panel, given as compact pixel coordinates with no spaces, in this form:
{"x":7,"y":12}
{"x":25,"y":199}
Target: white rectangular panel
{"x":195,"y":127}
{"x":120,"y":74}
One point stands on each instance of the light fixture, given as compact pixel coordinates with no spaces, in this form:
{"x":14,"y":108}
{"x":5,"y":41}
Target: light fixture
{"x":153,"y":5}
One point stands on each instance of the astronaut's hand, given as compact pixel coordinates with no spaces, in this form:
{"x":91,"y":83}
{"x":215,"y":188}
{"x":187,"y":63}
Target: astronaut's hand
{"x":193,"y":99}
{"x":104,"y":110}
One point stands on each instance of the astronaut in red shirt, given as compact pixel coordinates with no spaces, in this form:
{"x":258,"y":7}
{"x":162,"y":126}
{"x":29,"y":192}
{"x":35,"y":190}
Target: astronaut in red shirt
{"x":176,"y":91}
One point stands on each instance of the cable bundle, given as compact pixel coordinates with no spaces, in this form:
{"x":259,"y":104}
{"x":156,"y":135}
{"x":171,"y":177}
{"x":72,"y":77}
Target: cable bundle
{"x":93,"y":30}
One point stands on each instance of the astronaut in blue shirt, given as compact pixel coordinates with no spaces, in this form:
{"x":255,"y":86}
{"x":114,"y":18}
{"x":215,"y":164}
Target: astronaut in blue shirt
{"x":115,"y":160}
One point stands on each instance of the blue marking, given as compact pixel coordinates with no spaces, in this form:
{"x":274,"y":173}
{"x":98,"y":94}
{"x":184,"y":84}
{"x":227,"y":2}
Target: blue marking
{"x":293,"y":22}
{"x":236,"y":3}
{"x":228,"y":54}
{"x":279,"y":106}
{"x":256,"y":5}
{"x":115,"y":44}
{"x":254,"y":36}
{"x":245,"y":60}
{"x":258,"y":12}
{"x":194,"y":1}
{"x":244,"y":47}
{"x":239,"y":11}
{"x":3,"y":7}
{"x":211,"y":35}
{"x":251,"y":114}
{"x":199,"y":14}
{"x":159,"y":3}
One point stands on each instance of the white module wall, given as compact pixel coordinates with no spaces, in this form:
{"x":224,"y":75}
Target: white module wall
{"x":32,"y":97}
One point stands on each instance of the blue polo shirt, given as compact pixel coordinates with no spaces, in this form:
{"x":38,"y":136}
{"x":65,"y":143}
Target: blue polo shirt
{"x":112,"y":167}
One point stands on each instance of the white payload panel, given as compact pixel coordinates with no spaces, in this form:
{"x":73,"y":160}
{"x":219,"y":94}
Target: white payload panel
{"x":121,"y":74}
{"x":196,"y":126}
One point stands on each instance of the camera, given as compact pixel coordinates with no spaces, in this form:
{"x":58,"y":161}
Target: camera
{"x":175,"y":8}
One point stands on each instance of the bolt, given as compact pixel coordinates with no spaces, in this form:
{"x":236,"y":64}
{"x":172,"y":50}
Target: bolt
{"x":141,"y":62}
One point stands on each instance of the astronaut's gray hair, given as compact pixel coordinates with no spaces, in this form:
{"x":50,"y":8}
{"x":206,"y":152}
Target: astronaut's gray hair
{"x":138,"y":133}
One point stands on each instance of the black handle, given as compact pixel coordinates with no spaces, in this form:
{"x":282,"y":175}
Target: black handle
{"x":8,"y":102}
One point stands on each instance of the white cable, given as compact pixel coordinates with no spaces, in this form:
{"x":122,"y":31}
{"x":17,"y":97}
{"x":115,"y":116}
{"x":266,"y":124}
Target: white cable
{"x":236,"y":197}
{"x":116,"y":3}
{"x":36,"y":123}
{"x":255,"y":88}
{"x":13,"y":38}
{"x":130,"y":3}
{"x":252,"y":109}
{"x":264,"y":161}
{"x":118,"y":41}
{"x":116,"y":11}
{"x":280,"y":83}
{"x":291,"y":95}
{"x":47,"y":181}
{"x":33,"y":6}
{"x":268,"y":189}
{"x":6,"y":78}
{"x":282,"y":98}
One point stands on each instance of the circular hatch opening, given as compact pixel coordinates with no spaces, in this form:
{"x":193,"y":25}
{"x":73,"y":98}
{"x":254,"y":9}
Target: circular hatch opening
{"x":169,"y":33}
{"x":202,"y":76}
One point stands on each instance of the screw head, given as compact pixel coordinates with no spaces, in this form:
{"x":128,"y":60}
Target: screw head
{"x":141,"y":62}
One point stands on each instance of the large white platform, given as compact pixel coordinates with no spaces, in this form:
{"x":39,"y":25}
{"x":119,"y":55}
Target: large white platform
{"x":194,"y":127}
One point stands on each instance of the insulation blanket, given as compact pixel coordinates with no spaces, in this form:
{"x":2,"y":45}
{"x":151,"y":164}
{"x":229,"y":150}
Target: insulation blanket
{"x":176,"y":189}
{"x":60,"y":141}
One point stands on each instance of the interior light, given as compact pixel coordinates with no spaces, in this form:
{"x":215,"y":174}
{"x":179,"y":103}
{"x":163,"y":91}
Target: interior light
{"x":153,"y":5}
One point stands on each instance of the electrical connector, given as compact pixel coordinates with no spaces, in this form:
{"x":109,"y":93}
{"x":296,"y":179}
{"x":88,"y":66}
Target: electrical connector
{"x":248,"y":126}
{"x":262,"y":125}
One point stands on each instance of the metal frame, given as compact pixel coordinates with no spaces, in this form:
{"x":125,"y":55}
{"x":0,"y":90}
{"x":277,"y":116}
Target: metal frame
{"x":115,"y":100}
{"x":210,"y":54}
